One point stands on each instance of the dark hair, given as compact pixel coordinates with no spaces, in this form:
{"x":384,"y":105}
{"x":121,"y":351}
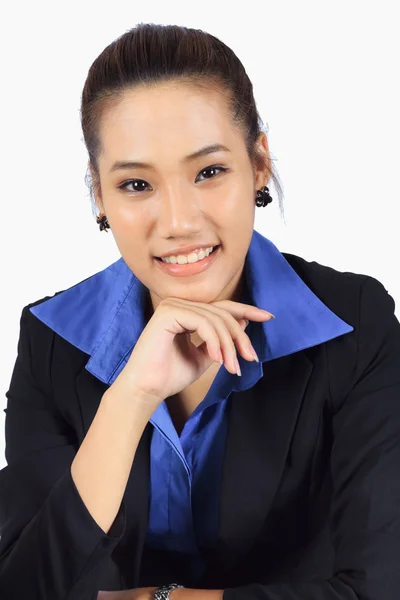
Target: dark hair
{"x":150,"y":54}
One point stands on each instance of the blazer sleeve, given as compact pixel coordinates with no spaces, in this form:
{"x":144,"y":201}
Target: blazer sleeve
{"x":49,"y":541}
{"x":365,"y":468}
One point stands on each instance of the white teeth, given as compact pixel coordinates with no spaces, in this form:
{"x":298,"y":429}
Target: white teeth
{"x":191,"y":258}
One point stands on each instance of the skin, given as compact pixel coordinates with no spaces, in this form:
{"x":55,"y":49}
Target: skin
{"x":181,"y":204}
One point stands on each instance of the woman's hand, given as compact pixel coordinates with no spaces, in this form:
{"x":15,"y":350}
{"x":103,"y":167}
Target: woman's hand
{"x":164,"y":361}
{"x":146,"y":593}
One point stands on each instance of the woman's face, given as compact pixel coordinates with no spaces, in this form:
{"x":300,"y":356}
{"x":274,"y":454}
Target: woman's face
{"x":174,"y":201}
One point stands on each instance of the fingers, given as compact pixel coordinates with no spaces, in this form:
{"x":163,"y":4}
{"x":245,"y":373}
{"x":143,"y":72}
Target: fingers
{"x":218,"y":327}
{"x":187,"y":320}
{"x":231,"y":335}
{"x":240,"y":310}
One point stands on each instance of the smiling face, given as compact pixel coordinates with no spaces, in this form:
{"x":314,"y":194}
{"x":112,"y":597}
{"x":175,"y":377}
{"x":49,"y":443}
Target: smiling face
{"x":175,"y":201}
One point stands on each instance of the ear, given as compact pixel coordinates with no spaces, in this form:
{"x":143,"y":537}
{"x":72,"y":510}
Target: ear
{"x":96,"y":189}
{"x":262,"y":175}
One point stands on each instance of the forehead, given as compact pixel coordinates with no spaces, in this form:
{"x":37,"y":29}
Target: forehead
{"x":165,"y":117}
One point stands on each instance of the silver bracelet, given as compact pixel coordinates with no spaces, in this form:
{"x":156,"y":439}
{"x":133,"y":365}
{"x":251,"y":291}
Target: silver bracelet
{"x":163,"y":592}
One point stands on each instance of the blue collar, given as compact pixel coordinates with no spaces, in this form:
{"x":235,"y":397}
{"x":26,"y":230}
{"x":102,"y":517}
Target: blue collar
{"x":104,"y":315}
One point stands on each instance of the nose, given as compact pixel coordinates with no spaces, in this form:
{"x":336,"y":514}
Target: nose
{"x":180,"y":214}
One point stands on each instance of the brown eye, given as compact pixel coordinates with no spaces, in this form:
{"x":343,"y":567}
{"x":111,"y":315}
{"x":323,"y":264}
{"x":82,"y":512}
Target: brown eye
{"x":212,"y":168}
{"x":136,"y":188}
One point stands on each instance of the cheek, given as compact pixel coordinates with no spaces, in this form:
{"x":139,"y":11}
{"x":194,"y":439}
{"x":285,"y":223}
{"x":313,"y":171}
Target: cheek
{"x":238,"y":215}
{"x":238,"y":232}
{"x":238,"y":199}
{"x":130,"y":238}
{"x":130,"y":222}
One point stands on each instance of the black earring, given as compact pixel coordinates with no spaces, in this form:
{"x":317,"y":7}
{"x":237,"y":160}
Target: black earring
{"x":263,"y":197}
{"x":103,"y":223}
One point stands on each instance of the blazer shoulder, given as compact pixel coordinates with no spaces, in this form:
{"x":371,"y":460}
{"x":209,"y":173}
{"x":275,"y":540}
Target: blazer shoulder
{"x":320,"y":276}
{"x":341,"y":291}
{"x":36,"y":342}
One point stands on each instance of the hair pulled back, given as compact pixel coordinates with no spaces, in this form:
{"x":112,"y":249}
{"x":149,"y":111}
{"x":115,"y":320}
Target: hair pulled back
{"x":151,"y":54}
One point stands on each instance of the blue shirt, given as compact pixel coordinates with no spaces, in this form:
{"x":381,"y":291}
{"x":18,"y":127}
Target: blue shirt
{"x":104,"y":316}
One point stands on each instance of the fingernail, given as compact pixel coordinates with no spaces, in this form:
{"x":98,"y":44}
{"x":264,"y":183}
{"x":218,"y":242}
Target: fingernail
{"x":247,"y":322}
{"x":254,"y":353}
{"x":238,"y":371}
{"x":268,"y":313}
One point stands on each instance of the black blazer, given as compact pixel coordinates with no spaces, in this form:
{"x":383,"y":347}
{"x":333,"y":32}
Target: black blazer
{"x":310,"y":498}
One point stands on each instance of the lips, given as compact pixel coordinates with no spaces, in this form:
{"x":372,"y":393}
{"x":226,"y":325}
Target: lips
{"x":190,"y":269}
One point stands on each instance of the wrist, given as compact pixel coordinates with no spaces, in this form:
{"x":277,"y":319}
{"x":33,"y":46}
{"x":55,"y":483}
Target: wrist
{"x":126,"y":388}
{"x":131,"y":402}
{"x":194,"y":594}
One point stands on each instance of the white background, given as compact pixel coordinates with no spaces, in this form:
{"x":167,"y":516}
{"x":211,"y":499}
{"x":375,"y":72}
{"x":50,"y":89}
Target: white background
{"x":326,"y":82}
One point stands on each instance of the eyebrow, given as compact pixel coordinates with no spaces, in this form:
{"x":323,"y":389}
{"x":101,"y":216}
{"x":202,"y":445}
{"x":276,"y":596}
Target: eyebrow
{"x":124,"y":164}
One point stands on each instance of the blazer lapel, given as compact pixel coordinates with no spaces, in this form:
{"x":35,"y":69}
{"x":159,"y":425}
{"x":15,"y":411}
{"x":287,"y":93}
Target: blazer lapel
{"x":128,"y":552}
{"x":261,"y":424}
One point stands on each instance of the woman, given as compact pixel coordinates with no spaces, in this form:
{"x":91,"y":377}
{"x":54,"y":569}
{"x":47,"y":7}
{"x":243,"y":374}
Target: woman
{"x":161,"y":427}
